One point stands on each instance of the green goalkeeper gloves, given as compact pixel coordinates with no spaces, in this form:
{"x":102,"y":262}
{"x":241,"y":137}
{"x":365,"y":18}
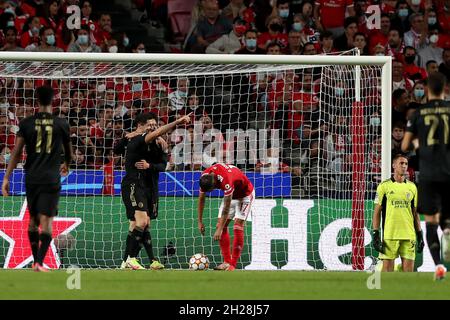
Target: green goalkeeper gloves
{"x":420,"y":242}
{"x":376,"y":241}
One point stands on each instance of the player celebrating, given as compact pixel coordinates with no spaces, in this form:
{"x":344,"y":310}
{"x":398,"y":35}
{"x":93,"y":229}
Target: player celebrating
{"x":155,"y":161}
{"x":137,"y":193}
{"x":239,"y":195}
{"x":44,"y":137}
{"x":396,"y":201}
{"x":430,"y":123}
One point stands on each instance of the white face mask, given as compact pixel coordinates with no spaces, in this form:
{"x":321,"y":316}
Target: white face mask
{"x":434,"y":38}
{"x":113,"y":49}
{"x":141,"y":51}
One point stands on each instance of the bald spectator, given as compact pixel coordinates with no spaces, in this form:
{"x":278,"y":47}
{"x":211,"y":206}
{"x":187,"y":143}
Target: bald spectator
{"x":210,"y":27}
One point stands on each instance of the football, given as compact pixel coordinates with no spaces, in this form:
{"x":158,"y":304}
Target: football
{"x":198,"y":262}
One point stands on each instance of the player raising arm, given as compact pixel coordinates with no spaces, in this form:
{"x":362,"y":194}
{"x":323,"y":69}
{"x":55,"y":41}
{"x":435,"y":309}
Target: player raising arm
{"x":138,"y":188}
{"x":430,"y":124}
{"x":396,"y":202}
{"x":44,"y":137}
{"x":239,"y":195}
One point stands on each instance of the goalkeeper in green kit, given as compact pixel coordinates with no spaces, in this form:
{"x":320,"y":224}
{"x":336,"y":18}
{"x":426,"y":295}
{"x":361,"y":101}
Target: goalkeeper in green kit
{"x":396,"y":208}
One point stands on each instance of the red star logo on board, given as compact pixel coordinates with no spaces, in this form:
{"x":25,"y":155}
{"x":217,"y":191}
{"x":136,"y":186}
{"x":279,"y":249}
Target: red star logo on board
{"x":15,"y":231}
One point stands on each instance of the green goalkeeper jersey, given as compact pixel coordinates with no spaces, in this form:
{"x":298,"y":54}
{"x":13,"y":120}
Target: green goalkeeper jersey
{"x":397,"y":201}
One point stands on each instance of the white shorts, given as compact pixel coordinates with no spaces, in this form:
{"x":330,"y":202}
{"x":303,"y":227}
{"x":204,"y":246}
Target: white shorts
{"x":240,"y":208}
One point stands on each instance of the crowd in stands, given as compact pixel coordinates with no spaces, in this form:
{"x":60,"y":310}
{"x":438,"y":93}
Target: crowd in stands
{"x":415,"y":33}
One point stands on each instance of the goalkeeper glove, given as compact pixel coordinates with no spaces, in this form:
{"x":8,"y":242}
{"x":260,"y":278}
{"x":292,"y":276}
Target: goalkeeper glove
{"x":376,"y":241}
{"x":420,"y":242}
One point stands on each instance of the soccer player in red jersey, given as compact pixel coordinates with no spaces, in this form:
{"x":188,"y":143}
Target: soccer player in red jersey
{"x":239,"y":195}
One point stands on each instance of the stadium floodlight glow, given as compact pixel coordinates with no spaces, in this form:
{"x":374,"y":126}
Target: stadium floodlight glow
{"x":242,"y":94}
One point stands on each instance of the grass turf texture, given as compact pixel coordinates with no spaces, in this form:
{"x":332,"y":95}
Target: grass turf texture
{"x":116,"y":284}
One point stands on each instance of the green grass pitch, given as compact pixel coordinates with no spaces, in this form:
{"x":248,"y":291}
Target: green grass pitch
{"x":212,"y":285}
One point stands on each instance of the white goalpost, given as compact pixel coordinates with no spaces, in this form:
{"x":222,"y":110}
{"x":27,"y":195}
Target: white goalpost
{"x":303,"y":128}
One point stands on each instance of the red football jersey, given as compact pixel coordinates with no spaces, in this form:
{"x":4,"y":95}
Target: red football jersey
{"x":231,"y":180}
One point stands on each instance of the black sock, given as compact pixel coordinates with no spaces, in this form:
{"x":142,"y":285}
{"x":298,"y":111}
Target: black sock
{"x":433,"y":242}
{"x":127,"y":246}
{"x":33,"y":236}
{"x":46,"y":239}
{"x":148,"y":245}
{"x":137,"y":236}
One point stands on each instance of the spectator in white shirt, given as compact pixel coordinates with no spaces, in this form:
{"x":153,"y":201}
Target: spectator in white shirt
{"x":416,"y":37}
{"x":231,"y":42}
{"x":178,"y":98}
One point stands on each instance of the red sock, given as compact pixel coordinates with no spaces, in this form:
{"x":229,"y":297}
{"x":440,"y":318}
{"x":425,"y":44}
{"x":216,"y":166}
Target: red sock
{"x":225,"y":245}
{"x":238,"y":243}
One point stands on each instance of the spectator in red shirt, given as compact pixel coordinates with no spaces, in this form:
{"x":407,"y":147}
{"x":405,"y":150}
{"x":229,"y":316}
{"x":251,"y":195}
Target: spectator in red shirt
{"x":30,"y":33}
{"x":345,"y":41}
{"x":330,"y":15}
{"x":275,"y":33}
{"x":7,"y":139}
{"x":103,"y":31}
{"x":412,"y":71}
{"x":52,"y":15}
{"x":380,"y":36}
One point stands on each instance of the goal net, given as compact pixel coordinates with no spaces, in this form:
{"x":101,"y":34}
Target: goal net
{"x":307,"y":131}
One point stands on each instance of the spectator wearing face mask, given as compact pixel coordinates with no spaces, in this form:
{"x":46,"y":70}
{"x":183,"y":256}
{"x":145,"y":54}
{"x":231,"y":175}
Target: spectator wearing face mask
{"x":412,"y":71}
{"x":138,"y":48}
{"x":418,"y":93}
{"x":30,"y":33}
{"x":431,"y":51}
{"x":275,"y":33}
{"x":83,"y":42}
{"x":231,"y":42}
{"x":250,"y":44}
{"x":47,"y":43}
{"x":307,"y":33}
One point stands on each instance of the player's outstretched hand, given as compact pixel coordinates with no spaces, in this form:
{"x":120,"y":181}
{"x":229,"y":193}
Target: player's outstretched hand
{"x":376,"y":241}
{"x":64,"y":170}
{"x":201,"y":228}
{"x":420,"y":242}
{"x":142,"y":165}
{"x":5,"y":187}
{"x":186,"y":119}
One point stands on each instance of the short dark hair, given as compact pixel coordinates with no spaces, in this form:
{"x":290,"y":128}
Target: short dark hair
{"x":399,"y":125}
{"x":44,"y":95}
{"x":399,"y":155}
{"x":142,"y":119}
{"x":273,"y":44}
{"x":430,"y":62}
{"x":349,"y":20}
{"x":207,"y":182}
{"x":325,"y":34}
{"x":397,"y":94}
{"x":436,"y":83}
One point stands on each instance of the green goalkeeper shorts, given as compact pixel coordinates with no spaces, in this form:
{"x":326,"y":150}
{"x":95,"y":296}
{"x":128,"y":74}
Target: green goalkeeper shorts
{"x":394,"y":248}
